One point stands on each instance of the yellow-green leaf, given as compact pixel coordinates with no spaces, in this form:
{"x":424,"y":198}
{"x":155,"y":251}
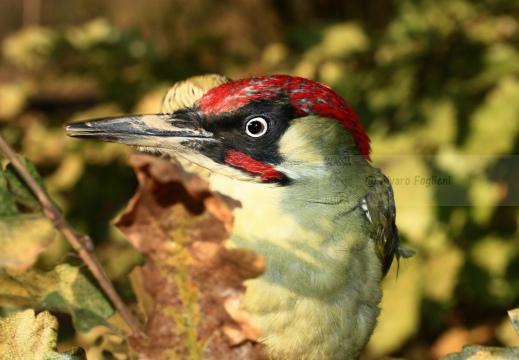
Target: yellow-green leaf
{"x":474,"y":352}
{"x":514,"y":317}
{"x":24,"y":336}
{"x":22,"y":238}
{"x":65,"y":288}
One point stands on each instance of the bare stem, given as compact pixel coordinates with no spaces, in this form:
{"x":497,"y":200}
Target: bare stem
{"x":81,"y":247}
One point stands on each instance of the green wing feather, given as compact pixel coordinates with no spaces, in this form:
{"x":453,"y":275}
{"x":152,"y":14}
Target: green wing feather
{"x":379,"y":206}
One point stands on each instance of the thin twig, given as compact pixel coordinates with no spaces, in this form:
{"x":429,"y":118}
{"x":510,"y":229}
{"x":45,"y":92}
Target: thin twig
{"x":82,"y":247}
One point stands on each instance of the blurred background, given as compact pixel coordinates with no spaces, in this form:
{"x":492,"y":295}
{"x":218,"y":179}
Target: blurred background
{"x":435,"y":82}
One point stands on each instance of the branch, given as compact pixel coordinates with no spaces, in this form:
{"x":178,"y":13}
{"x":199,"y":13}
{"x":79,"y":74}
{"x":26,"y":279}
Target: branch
{"x":81,"y":243}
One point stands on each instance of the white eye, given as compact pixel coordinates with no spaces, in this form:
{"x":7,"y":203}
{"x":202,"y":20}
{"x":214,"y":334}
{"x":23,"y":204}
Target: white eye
{"x":256,"y":127}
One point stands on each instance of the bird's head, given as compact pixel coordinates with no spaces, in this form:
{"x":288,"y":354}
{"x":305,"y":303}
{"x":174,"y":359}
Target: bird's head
{"x":268,"y":129}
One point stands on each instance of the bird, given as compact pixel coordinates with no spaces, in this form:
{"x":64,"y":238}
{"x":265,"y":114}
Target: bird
{"x":297,"y":158}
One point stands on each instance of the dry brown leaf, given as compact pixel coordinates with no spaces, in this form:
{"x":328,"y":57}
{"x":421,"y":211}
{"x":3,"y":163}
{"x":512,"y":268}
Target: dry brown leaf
{"x":196,"y":283}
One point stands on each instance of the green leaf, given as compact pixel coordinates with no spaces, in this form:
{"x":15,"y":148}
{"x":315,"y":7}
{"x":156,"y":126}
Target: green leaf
{"x":22,"y":238}
{"x":64,"y":288}
{"x":7,"y":203}
{"x":19,"y":190}
{"x":24,"y":336}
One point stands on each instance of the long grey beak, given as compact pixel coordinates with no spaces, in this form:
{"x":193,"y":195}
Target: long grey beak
{"x":141,"y":130}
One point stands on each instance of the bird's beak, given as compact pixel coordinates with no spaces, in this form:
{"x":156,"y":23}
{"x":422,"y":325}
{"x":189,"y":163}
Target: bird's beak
{"x":156,"y":130}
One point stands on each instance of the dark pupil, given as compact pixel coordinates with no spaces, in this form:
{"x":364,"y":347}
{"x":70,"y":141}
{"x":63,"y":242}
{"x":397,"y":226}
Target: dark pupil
{"x":255,"y":127}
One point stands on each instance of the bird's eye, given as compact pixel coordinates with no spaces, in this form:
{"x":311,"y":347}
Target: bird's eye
{"x":256,"y":127}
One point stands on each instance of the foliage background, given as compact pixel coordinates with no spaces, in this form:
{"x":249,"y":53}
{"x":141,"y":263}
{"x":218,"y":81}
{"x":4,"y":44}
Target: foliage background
{"x":436,"y":84}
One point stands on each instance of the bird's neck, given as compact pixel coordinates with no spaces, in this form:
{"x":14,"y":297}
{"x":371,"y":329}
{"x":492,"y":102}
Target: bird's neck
{"x":319,"y":266}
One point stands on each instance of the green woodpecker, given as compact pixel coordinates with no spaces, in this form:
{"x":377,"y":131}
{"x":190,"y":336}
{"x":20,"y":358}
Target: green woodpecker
{"x":295,"y":156}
